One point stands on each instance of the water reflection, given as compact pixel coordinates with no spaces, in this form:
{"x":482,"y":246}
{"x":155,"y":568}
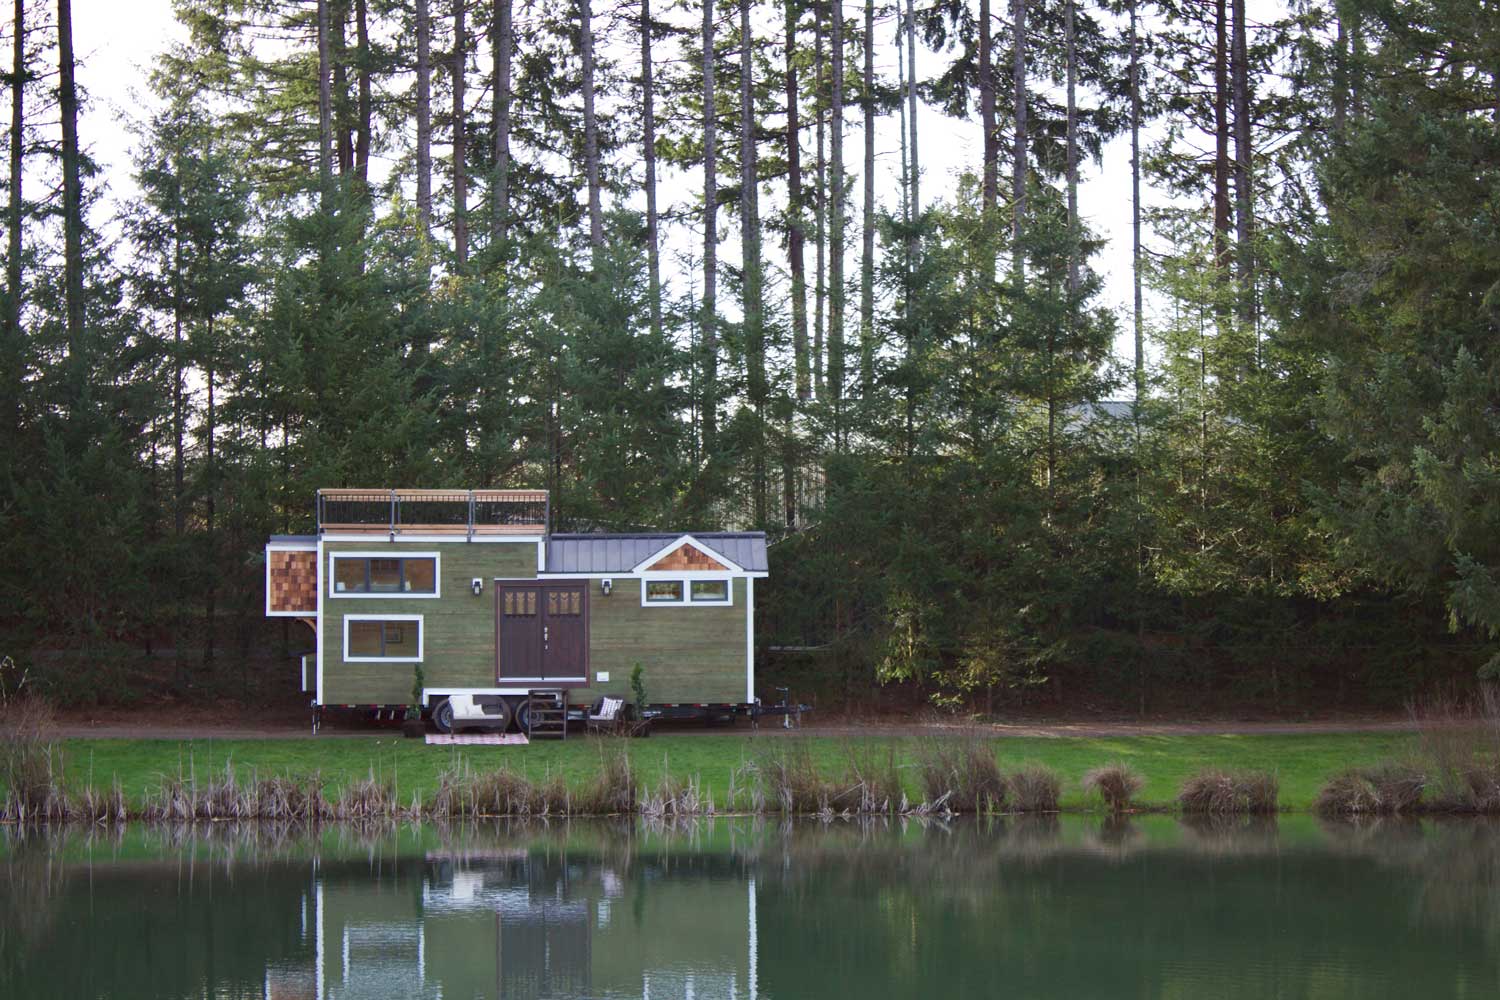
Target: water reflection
{"x":746,"y":908}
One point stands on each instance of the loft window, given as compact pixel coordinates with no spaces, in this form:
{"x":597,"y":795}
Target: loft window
{"x":710,"y":591}
{"x":395,"y":638}
{"x":663,"y":591}
{"x":364,"y":575}
{"x":686,"y":592}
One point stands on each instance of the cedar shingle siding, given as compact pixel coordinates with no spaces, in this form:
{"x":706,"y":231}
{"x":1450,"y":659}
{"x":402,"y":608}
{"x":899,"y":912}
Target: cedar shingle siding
{"x":294,"y":581}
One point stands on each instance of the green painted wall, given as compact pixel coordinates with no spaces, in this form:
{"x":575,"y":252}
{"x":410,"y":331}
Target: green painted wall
{"x":459,"y":645}
{"x":688,"y":654}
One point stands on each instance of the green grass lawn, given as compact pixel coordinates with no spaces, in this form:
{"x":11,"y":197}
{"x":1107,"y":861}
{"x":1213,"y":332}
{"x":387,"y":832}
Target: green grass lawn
{"x":1303,"y":763}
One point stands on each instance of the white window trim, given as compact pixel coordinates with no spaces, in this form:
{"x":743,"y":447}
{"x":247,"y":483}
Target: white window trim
{"x":687,"y":580}
{"x":729,"y":565}
{"x":421,"y":638}
{"x":360,"y":595}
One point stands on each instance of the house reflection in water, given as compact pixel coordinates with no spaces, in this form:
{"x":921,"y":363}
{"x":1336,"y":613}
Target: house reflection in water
{"x":520,"y":925}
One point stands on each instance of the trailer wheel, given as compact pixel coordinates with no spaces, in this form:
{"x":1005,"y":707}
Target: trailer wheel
{"x":523,"y":716}
{"x":442,"y":716}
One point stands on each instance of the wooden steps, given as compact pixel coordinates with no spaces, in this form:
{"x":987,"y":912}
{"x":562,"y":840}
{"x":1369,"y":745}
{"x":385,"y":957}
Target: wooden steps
{"x":547,"y":716}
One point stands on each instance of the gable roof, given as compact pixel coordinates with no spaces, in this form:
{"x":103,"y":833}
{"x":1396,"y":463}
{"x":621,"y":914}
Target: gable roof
{"x":621,"y":553}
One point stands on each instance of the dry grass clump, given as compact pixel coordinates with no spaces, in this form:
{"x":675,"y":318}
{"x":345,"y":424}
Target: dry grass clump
{"x":962,"y":774}
{"x":367,"y":799}
{"x":614,"y":791}
{"x":30,"y":763}
{"x":463,"y":793}
{"x":284,"y":799}
{"x":1117,"y":784}
{"x":870,"y":783}
{"x":1229,"y":793}
{"x":1460,"y":741}
{"x":1034,"y":788}
{"x":1388,"y":789}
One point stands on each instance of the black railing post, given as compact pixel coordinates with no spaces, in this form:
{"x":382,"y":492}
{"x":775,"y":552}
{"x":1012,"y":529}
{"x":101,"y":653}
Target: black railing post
{"x":471,"y":515}
{"x":395,"y":515}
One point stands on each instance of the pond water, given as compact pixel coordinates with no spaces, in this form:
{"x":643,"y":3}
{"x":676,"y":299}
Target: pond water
{"x":728,"y":908}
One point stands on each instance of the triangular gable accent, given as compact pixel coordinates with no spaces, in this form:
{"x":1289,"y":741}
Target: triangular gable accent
{"x":686,"y":554}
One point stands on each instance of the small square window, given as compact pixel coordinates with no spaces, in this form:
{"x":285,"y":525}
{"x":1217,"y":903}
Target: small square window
{"x":710,"y":591}
{"x":664,"y":591}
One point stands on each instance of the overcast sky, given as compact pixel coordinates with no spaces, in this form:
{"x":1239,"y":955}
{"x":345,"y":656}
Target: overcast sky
{"x":116,"y":41}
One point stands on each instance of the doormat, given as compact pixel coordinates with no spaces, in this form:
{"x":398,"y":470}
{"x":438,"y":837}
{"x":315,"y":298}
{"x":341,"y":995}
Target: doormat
{"x":477,"y":739}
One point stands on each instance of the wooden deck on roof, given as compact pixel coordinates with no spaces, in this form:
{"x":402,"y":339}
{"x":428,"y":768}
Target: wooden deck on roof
{"x":460,"y":513}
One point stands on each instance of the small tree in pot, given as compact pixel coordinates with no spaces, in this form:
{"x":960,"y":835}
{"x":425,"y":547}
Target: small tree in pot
{"x":414,"y":726}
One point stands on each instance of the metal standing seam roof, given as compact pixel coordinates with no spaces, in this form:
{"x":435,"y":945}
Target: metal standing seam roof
{"x":611,"y":553}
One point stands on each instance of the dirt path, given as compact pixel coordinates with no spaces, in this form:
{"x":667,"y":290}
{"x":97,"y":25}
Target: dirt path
{"x":202,"y":725}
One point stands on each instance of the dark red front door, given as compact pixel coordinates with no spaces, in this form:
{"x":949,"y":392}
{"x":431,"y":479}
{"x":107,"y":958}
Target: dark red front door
{"x":541,"y":631}
{"x":565,"y":630}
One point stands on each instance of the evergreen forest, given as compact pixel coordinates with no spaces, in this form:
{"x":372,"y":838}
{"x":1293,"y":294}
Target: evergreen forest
{"x":712,"y":268}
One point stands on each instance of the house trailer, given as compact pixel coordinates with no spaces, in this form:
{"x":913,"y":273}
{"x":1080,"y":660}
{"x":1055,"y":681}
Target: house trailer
{"x":469,"y":591}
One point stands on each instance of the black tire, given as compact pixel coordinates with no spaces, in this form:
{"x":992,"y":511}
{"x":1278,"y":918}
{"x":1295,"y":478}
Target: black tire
{"x":517,"y":703}
{"x":523,"y":716}
{"x":442,"y":717}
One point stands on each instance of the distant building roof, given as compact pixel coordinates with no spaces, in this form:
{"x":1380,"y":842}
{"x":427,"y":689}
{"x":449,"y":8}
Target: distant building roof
{"x":620,"y":553}
{"x":1104,"y":409}
{"x":308,"y":539}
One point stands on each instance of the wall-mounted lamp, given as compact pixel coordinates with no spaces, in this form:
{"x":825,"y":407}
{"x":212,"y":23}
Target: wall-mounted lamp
{"x":476,"y":585}
{"x":606,"y":585}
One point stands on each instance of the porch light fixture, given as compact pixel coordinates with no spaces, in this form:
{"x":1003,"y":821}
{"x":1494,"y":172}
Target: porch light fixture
{"x":606,"y":585}
{"x":476,"y":585}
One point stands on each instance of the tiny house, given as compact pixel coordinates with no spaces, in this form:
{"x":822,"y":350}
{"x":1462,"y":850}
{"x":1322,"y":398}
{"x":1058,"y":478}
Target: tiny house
{"x":469,"y":591}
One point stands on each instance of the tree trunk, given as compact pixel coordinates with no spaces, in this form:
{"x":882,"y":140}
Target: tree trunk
{"x":362,"y":40}
{"x":796,"y":233}
{"x":424,"y":118}
{"x":325,"y":115}
{"x":460,"y":145}
{"x":501,"y":46}
{"x":1340,"y":77}
{"x":911,"y":100}
{"x":710,"y":241}
{"x":211,"y":488}
{"x":836,"y":227}
{"x":14,"y":293}
{"x":339,"y":62}
{"x":1071,"y":58}
{"x":1135,"y":217}
{"x":590,"y":126}
{"x":648,"y":143}
{"x":1221,"y":139}
{"x":755,"y":348}
{"x":72,"y":201}
{"x":820,"y":210}
{"x":867,"y":262}
{"x":1018,"y":165}
{"x":1244,"y":198}
{"x":987,"y":110}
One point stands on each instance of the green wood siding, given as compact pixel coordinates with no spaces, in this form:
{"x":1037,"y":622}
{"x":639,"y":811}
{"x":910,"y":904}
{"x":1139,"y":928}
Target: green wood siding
{"x":459,"y":640}
{"x":688,"y":654}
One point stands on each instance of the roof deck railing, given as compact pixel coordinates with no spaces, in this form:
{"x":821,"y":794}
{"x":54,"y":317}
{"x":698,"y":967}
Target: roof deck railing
{"x":466,"y":513}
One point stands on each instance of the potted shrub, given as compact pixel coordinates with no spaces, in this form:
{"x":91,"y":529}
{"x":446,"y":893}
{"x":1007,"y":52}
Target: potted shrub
{"x":414,"y":725}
